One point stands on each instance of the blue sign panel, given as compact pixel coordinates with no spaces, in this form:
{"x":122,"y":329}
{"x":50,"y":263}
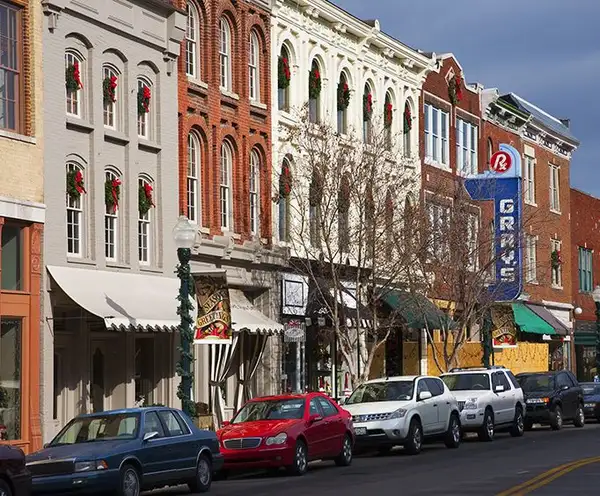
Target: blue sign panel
{"x":503,"y":187}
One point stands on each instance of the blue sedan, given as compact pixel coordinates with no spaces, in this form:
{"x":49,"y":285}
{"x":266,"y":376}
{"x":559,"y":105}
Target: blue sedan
{"x":125,"y":452}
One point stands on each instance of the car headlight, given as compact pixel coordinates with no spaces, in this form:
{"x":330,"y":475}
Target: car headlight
{"x":90,"y":466}
{"x":471,"y":404}
{"x":276,"y":440}
{"x":400,"y":413}
{"x":538,"y":401}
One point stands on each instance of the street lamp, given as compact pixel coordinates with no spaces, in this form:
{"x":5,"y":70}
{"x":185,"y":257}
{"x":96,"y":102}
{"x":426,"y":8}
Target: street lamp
{"x":184,"y":235}
{"x":596,"y":297}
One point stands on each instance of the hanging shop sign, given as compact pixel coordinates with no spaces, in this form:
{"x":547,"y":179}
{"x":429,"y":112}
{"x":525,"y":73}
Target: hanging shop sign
{"x":294,"y":332}
{"x":213,"y":324}
{"x":502,"y":185}
{"x":504,"y":333}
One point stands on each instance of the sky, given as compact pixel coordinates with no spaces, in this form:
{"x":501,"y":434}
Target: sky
{"x":546,"y":51}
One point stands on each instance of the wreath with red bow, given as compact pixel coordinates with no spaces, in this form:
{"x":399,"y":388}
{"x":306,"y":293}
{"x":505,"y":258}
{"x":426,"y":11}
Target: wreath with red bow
{"x":455,"y":89}
{"x":283,"y":74}
{"x":112,"y":194}
{"x":314,"y":83}
{"x":109,"y":90}
{"x":75,"y":186}
{"x":145,"y":198}
{"x":367,"y":106}
{"x":388,"y":115}
{"x":343,"y":96}
{"x":73,"y":77}
{"x":143,"y":98}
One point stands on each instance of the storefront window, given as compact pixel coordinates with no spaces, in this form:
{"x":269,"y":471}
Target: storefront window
{"x":586,"y":362}
{"x":12,"y":258}
{"x":144,"y":371}
{"x":10,"y":377}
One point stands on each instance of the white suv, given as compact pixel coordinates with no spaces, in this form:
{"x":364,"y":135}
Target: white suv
{"x":489,"y":399}
{"x":404,"y":411}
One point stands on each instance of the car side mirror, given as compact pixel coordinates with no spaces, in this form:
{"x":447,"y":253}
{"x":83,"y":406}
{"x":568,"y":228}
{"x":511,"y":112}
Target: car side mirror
{"x":342,"y":401}
{"x":225,"y":423}
{"x":313,"y":419}
{"x":499,"y":388}
{"x":425,"y":395}
{"x":46,"y":445}
{"x":564,"y":388}
{"x":150,"y":435}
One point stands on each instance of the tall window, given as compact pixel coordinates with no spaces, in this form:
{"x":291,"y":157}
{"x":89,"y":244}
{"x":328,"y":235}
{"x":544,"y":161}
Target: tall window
{"x":192,"y":35}
{"x":367,"y":103}
{"x":467,"y":138}
{"x":74,"y":218}
{"x":144,"y":227}
{"x":225,"y":54}
{"x":254,"y":192}
{"x":586,"y":279}
{"x":284,"y":79}
{"x":314,"y":218}
{"x":530,"y":259}
{"x":110,"y":107}
{"x":529,"y":179}
{"x":12,"y":256}
{"x":554,"y":188}
{"x":343,"y":215}
{"x":11,"y":63}
{"x":439,"y":216}
{"x":343,"y":96}
{"x":407,"y":131}
{"x":388,"y":112}
{"x":253,"y":67}
{"x":225,"y":194}
{"x":111,"y":217}
{"x":143,"y":116}
{"x":284,"y":200}
{"x":556,"y":267}
{"x":314,"y":96}
{"x":194,"y":204}
{"x":11,"y":355}
{"x":75,"y":71}
{"x":436,"y":135}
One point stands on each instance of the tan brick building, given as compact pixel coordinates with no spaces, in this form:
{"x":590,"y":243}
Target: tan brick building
{"x":22,"y":216}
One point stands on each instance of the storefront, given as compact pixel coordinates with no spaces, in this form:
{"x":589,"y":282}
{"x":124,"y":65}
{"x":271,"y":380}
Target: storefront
{"x":585,"y":349}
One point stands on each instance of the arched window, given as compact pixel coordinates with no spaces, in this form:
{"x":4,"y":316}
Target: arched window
{"x":407,"y":125}
{"x":388,"y":119}
{"x":74,"y":71}
{"x":284,"y":76}
{"x":253,"y":67}
{"x":225,"y":54}
{"x":192,"y":37}
{"x":144,"y":104}
{"x":112,"y":193}
{"x":343,"y":214}
{"x":490,"y":150}
{"x":314,"y":93}
{"x":145,"y":202}
{"x":110,"y":96}
{"x":194,"y":198}
{"x":367,"y":114}
{"x":285,"y":186}
{"x":225,"y":193}
{"x":75,"y":203}
{"x":254,"y":192}
{"x":343,"y":100}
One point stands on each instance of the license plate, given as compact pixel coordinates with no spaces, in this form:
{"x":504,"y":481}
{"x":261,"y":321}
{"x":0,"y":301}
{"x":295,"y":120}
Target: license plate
{"x":360,"y":431}
{"x":590,"y":405}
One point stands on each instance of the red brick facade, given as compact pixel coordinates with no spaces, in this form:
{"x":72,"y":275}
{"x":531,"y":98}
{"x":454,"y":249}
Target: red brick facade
{"x":217,"y":116}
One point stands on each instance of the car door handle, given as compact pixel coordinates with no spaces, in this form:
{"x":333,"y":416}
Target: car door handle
{"x":447,"y":402}
{"x":435,"y":404}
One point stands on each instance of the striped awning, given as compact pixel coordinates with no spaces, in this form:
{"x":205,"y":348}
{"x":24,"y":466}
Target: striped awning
{"x":246,"y":317}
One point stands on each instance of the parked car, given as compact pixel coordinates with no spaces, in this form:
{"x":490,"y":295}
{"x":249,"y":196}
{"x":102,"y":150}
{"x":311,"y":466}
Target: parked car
{"x":489,"y":399}
{"x":125,"y":452}
{"x":287,"y":431}
{"x":552,"y":398}
{"x":591,"y":400}
{"x":15,"y":479}
{"x":404,"y":411}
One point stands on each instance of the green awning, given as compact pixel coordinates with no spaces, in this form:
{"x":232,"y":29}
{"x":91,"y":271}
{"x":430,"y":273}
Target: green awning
{"x":528,"y":321}
{"x":418,"y":311}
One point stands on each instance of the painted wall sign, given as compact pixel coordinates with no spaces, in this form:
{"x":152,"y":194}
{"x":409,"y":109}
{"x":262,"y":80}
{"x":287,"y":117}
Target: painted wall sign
{"x":502,"y":185}
{"x":213,"y":324}
{"x":504,"y":332}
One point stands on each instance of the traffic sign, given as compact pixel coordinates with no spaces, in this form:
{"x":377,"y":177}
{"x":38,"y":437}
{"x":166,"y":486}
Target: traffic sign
{"x":500,"y":162}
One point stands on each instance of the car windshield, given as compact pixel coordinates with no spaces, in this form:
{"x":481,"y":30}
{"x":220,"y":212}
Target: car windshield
{"x":99,"y":428}
{"x":382,"y":391}
{"x":270,"y":410}
{"x":590,"y":389}
{"x":467,"y":382}
{"x":537,"y":382}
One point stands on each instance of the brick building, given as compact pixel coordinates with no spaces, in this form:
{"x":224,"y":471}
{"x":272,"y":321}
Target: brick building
{"x":22,"y":218}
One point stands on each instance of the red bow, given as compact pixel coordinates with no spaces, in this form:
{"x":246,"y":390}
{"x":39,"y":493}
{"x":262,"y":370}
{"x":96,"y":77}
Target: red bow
{"x":79,"y":182}
{"x":148,"y":191}
{"x":115,"y":184}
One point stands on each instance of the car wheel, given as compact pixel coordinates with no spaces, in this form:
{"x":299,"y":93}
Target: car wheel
{"x":518,"y":427}
{"x":5,"y":489}
{"x":454,"y":433}
{"x":300,"y":466}
{"x":528,"y":424}
{"x":579,"y":420}
{"x":130,"y":481}
{"x":414,"y":441}
{"x":556,"y":418}
{"x":487,"y":430}
{"x":344,"y":459}
{"x":204,"y":476}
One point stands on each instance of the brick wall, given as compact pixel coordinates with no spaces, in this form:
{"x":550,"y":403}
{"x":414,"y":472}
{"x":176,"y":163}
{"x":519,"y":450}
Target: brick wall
{"x":217,"y":116}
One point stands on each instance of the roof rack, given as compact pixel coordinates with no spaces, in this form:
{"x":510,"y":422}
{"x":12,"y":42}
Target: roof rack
{"x":491,"y":367}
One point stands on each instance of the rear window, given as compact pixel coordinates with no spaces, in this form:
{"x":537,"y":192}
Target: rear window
{"x":591,"y":389}
{"x":537,"y":382}
{"x":467,"y":382}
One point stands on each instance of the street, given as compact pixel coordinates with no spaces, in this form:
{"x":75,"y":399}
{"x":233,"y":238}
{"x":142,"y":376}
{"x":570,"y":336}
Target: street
{"x":505,"y":467}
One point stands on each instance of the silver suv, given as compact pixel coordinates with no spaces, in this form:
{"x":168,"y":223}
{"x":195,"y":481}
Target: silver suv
{"x":489,"y":399}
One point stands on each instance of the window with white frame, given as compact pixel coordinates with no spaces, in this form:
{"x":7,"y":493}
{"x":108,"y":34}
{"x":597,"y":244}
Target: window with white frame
{"x":254,"y":192}
{"x":556,"y":263}
{"x":436,"y":135}
{"x":554,"y":188}
{"x":472,"y":241}
{"x":586,"y":278}
{"x":530,"y":258}
{"x":111,"y":215}
{"x":110,"y":106}
{"x":529,"y":179}
{"x":467,"y":138}
{"x":75,"y":231}
{"x":284,"y":200}
{"x":439,"y":216}
{"x":225,"y":54}
{"x":407,"y":129}
{"x":253,"y":67}
{"x":192,"y":35}
{"x":144,"y":227}
{"x":225,"y":194}
{"x":74,"y":84}
{"x":194,"y":204}
{"x":144,"y":108}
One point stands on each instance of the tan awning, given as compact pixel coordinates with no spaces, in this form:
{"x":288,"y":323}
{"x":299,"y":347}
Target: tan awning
{"x":246,"y":317}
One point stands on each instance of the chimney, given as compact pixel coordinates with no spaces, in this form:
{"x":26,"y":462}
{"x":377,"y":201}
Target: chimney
{"x":566,"y":123}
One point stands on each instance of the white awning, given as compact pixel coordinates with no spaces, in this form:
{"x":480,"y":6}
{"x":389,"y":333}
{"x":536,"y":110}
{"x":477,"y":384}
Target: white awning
{"x":246,"y":317}
{"x":124,"y":301}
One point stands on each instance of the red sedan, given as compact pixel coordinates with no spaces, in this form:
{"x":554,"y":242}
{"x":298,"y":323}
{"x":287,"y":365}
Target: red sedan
{"x":287,"y":431}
